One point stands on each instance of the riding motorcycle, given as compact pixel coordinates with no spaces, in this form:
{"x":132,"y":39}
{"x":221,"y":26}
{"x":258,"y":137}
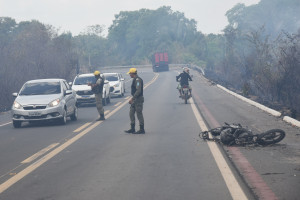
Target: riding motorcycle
{"x":185,"y":93}
{"x":185,"y":90}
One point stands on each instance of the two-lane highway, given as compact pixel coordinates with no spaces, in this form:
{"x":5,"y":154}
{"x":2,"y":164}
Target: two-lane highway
{"x":97,"y":160}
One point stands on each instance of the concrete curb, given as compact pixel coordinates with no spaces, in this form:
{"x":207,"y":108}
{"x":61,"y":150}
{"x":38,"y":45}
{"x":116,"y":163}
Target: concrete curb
{"x":262,"y":107}
{"x":291,"y":121}
{"x":287,"y":119}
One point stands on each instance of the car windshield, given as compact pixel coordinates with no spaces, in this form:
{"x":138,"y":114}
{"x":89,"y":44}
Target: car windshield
{"x":112,"y":78}
{"x":41,"y":88}
{"x":84,"y":80}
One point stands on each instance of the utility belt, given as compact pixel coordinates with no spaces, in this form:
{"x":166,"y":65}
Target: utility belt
{"x":139,"y":99}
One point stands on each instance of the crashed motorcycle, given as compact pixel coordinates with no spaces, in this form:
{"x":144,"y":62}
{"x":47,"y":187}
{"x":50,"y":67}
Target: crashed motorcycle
{"x":236,"y":134}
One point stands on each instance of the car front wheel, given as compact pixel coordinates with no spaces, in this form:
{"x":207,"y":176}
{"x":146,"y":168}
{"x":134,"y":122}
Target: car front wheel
{"x":108,"y":99}
{"x":63,"y":120}
{"x":104,"y":101}
{"x":17,"y":124}
{"x":74,"y":116}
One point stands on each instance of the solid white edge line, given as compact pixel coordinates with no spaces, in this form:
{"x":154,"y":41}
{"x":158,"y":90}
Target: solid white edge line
{"x":232,"y":184}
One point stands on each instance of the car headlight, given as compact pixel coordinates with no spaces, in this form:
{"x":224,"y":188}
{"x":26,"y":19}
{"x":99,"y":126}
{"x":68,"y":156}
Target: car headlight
{"x":54,"y":103}
{"x":16,"y":105}
{"x":117,"y":85}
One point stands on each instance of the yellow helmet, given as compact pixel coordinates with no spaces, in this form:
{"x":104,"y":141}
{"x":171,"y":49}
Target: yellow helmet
{"x":132,"y":71}
{"x":96,"y":73}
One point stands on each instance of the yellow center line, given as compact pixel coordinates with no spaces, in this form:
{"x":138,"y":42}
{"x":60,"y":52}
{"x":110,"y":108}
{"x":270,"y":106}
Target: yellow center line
{"x":118,"y":104}
{"x":38,"y":154}
{"x":5,"y":124}
{"x":152,"y":81}
{"x":4,"y":186}
{"x":81,"y":127}
{"x":87,"y":124}
{"x":11,"y":171}
{"x":232,"y":184}
{"x":44,"y":159}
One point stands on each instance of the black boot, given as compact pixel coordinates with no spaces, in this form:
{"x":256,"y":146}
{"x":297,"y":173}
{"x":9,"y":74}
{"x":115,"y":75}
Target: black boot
{"x":132,"y":130}
{"x":101,"y":118}
{"x":141,"y":131}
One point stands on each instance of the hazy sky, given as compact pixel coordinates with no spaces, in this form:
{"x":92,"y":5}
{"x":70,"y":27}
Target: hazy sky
{"x":76,"y":15}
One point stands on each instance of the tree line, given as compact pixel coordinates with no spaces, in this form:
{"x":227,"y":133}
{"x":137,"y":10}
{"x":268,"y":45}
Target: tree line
{"x":257,"y":53}
{"x":262,"y":53}
{"x":31,"y":50}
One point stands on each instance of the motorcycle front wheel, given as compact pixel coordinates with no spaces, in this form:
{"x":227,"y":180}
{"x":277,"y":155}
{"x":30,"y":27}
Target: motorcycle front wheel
{"x":271,"y":137}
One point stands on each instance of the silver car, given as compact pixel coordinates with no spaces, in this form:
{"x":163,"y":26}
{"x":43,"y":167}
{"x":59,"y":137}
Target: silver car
{"x":44,"y":99}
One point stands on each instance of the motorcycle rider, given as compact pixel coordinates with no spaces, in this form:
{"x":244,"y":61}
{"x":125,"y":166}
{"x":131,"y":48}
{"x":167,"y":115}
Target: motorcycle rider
{"x":184,"y":80}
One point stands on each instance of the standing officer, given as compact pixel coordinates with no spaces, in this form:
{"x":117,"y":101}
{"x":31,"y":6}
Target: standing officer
{"x":136,"y":102}
{"x":97,"y":88}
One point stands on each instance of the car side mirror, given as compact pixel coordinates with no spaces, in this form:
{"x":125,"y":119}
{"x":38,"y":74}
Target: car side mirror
{"x":70,"y":83}
{"x":122,"y":79}
{"x":68,"y":92}
{"x":106,"y":81}
{"x":15,"y":94}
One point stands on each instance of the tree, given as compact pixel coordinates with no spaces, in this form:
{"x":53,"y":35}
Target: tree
{"x":137,"y":35}
{"x":32,"y":51}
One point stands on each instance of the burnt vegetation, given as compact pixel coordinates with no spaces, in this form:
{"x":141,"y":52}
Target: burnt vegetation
{"x":258,"y":53}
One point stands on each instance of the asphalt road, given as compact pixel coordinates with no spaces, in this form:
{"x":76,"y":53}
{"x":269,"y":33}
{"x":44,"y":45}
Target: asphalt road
{"x":97,"y":160}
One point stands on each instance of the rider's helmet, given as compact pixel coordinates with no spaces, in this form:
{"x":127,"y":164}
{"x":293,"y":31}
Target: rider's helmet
{"x":96,"y":73}
{"x":187,"y":70}
{"x":226,"y":136}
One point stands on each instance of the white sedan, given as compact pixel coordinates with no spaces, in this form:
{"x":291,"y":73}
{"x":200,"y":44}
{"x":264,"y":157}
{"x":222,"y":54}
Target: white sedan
{"x":84,"y":92}
{"x":116,"y":82}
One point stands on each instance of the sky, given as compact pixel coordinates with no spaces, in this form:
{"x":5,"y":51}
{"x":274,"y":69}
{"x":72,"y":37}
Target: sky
{"x":76,"y":15}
